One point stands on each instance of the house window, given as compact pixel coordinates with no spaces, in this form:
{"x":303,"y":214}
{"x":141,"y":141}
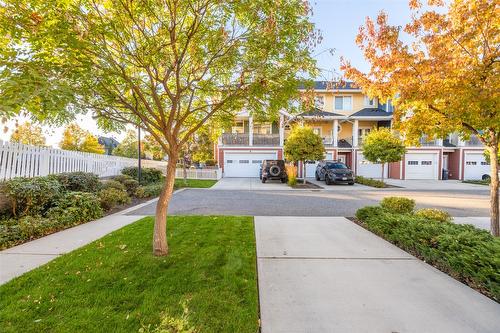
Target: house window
{"x":319,"y":102}
{"x":363,"y":132}
{"x":317,"y":130}
{"x":262,"y":128}
{"x":369,"y":102}
{"x":412,"y":162}
{"x":343,"y":103}
{"x":238,"y":127}
{"x":426,"y":163}
{"x":471,"y":163}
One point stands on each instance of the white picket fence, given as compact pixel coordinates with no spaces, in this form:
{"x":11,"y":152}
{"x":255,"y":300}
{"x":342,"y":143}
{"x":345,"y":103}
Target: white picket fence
{"x":18,"y":160}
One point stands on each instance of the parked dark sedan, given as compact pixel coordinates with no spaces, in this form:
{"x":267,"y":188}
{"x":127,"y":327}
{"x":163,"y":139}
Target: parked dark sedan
{"x":334,"y":172}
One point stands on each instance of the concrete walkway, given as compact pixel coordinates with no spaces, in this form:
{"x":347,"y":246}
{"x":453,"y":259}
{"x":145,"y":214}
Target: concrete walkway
{"x":327,"y":274}
{"x":20,"y":259}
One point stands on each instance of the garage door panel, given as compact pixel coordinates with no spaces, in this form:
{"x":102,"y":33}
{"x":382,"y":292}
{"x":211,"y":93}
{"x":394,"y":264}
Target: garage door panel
{"x":421,"y":166}
{"x":245,"y":164}
{"x":370,"y":170}
{"x":311,"y":167}
{"x":475,"y":166}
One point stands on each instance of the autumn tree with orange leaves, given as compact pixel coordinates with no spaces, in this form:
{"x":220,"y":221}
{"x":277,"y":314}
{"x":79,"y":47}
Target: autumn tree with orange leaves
{"x":442,"y":71}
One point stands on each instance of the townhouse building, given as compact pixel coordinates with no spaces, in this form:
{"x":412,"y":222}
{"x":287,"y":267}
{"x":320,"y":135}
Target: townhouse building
{"x":342,"y":117}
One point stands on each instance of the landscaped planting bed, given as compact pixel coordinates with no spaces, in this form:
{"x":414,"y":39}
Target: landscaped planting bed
{"x":115,"y":284}
{"x":370,"y":182}
{"x":466,"y":253}
{"x":35,"y":207}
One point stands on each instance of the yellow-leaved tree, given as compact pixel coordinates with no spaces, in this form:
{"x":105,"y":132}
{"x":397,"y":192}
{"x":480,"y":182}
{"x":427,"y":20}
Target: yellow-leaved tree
{"x":29,"y":134}
{"x":442,"y":69}
{"x":76,"y":138}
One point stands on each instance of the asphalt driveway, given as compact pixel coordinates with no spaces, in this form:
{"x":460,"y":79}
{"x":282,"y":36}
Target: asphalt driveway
{"x":314,"y":202}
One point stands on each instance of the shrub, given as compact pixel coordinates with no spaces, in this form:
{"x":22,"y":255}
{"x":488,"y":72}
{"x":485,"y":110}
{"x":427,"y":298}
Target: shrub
{"x":113,"y":184}
{"x":434,"y":214}
{"x":15,"y":231}
{"x":462,"y":251}
{"x":122,"y":178}
{"x":78,"y":181}
{"x":398,"y":205}
{"x":291,"y":172}
{"x":370,"y":182}
{"x":131,"y":186}
{"x":210,"y":162}
{"x":149,"y":191}
{"x":111,"y":197}
{"x":30,"y":196}
{"x":75,"y":208}
{"x":148,"y":175}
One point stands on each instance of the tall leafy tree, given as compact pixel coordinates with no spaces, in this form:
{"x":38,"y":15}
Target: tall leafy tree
{"x":446,"y":76}
{"x":304,"y":145}
{"x":382,"y":146}
{"x":167,"y":66}
{"x":76,"y":138}
{"x":129,"y":147}
{"x":29,"y":134}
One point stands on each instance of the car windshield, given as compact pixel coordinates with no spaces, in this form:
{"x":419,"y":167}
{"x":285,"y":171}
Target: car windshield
{"x":336,"y":166}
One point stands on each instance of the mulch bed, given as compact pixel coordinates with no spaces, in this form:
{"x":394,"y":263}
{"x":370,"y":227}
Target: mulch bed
{"x":307,"y":185}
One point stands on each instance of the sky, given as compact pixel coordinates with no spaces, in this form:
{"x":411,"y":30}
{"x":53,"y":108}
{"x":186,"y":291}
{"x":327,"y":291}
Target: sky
{"x":338,"y":21}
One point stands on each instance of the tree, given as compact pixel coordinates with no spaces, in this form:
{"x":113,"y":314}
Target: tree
{"x":382,"y":146}
{"x":167,"y":66}
{"x":129,"y":147}
{"x":153,"y":148}
{"x":304,"y":145}
{"x":76,"y":138}
{"x":446,"y":79}
{"x":28,"y":134}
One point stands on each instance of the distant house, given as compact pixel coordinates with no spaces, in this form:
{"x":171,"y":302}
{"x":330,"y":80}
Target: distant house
{"x":108,"y":143}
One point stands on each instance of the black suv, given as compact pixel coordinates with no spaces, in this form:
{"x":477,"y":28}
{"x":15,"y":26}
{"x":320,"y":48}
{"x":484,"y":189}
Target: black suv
{"x":334,"y":172}
{"x":273,"y":169}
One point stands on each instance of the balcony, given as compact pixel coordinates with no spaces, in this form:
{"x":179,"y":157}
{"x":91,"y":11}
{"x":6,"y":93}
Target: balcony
{"x":327,"y":141}
{"x":266,"y":139}
{"x":425,"y":142}
{"x":235,"y":139}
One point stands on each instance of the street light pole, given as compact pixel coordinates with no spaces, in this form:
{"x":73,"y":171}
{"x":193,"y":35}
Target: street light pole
{"x":139,"y":171}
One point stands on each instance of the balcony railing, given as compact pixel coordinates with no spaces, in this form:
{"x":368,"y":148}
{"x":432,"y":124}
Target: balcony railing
{"x":424,"y":141}
{"x":235,"y":139}
{"x":266,"y":139}
{"x":327,"y":141}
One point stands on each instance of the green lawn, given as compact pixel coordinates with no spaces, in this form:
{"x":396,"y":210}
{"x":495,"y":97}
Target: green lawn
{"x":198,"y":183}
{"x":116,"y":285}
{"x":477,"y":182}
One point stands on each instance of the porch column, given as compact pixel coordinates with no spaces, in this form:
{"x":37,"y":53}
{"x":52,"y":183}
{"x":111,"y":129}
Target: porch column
{"x":335,"y":133}
{"x":250,"y":131}
{"x":282,"y":130}
{"x":355,"y":133}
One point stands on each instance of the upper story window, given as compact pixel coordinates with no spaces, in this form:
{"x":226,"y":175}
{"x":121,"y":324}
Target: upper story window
{"x":238,"y":127}
{"x":319,"y":102}
{"x":388,"y":106}
{"x":369,"y":102}
{"x":262,"y":128}
{"x":343,"y":103}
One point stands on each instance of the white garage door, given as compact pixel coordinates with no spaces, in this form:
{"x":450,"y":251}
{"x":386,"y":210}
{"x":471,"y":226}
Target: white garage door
{"x":421,"y":166}
{"x":475,"y":166}
{"x":368,"y":169}
{"x":311,"y":167}
{"x":245,"y":164}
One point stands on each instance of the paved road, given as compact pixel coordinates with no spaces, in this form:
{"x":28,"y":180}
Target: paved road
{"x":327,"y":274}
{"x":314,"y":203}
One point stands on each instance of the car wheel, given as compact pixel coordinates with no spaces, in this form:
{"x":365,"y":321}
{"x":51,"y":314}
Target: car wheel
{"x":317,"y":176}
{"x":351,"y":183}
{"x":284,"y":180}
{"x":263,"y":180}
{"x":327,"y":180}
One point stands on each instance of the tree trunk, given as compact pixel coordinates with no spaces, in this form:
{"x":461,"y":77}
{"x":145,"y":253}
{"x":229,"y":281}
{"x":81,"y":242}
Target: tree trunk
{"x":383,"y":166}
{"x":304,"y":173}
{"x":495,"y":228}
{"x":160,"y":245}
{"x":184,"y":170}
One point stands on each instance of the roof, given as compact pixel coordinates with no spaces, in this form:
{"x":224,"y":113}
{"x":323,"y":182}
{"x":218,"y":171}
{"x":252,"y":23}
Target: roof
{"x":332,"y":85}
{"x":319,"y":113}
{"x":371,"y":112}
{"x":108,"y":142}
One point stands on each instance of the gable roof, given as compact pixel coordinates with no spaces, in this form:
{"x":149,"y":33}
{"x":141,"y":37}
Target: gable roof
{"x":319,"y":113}
{"x":107,"y":142}
{"x":330,"y":85}
{"x":371,"y":112}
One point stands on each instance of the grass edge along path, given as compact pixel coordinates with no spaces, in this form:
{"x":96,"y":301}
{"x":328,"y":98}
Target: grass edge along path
{"x":116,"y":285}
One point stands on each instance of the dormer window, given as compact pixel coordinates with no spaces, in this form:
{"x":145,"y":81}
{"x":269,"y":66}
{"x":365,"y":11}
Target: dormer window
{"x":369,"y":102}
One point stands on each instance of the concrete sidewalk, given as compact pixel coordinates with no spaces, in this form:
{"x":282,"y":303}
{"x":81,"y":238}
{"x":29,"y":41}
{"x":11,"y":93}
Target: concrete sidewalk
{"x":20,"y":259}
{"x":327,"y":274}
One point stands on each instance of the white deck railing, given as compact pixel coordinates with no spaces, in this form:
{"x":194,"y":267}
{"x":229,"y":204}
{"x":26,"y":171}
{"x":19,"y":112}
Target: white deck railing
{"x":199,"y":173}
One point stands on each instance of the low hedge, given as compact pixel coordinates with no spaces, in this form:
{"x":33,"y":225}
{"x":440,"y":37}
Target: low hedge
{"x":148,"y":175}
{"x":466,"y":253}
{"x":370,"y":182}
{"x":78,"y":181}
